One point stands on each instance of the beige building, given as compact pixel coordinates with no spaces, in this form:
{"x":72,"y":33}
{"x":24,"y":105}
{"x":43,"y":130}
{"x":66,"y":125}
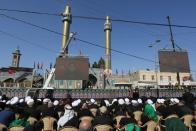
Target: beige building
{"x":163,"y":79}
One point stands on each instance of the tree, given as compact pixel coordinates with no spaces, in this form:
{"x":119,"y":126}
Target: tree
{"x":191,"y":78}
{"x":95,"y":65}
{"x":101,"y":63}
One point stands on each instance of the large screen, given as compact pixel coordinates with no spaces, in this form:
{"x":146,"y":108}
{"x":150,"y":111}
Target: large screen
{"x":171,"y":61}
{"x":72,"y":68}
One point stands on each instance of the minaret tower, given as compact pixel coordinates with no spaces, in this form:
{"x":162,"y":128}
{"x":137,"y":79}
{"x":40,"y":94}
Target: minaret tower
{"x":16,"y":58}
{"x":67,"y":19}
{"x":108,"y":29}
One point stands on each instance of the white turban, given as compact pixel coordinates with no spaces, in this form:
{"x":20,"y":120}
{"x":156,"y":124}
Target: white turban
{"x":176,"y":100}
{"x":149,"y":101}
{"x":74,"y":103}
{"x":14,"y":100}
{"x":8,"y":102}
{"x":68,"y":107}
{"x":46,"y":100}
{"x":92,"y":101}
{"x":114,"y":100}
{"x":127,"y":102}
{"x":30,"y":102}
{"x":39,"y":100}
{"x":121,"y":102}
{"x":27,"y":98}
{"x":21,"y":100}
{"x":79,"y":101}
{"x":139,"y":101}
{"x":158,"y":100}
{"x":107,"y":102}
{"x":55,"y":103}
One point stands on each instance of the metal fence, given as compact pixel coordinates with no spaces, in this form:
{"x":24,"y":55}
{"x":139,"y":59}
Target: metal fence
{"x":92,"y":93}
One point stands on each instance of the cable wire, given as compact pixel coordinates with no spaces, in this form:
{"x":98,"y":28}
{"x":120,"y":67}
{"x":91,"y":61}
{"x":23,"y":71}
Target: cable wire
{"x":28,"y":42}
{"x":114,"y":50}
{"x":103,"y":19}
{"x":84,"y":41}
{"x":30,"y":12}
{"x":28,"y":23}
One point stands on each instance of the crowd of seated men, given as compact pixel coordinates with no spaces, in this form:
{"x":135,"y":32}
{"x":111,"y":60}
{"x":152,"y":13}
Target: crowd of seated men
{"x":122,"y":114}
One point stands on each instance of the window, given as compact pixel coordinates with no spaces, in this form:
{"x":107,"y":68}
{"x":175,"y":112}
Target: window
{"x":61,"y":82}
{"x":161,"y":78}
{"x":144,"y":77}
{"x":152,"y":77}
{"x":169,"y":78}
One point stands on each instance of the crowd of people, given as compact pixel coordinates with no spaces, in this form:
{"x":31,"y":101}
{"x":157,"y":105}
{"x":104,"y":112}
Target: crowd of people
{"x":128,"y":114}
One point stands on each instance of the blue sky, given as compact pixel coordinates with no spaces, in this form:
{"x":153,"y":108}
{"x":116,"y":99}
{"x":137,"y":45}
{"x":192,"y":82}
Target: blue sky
{"x":126,"y":37}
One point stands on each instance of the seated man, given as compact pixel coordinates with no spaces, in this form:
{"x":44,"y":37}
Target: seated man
{"x":85,"y":125}
{"x":129,"y":121}
{"x":175,"y":124}
{"x":21,"y":121}
{"x":149,"y":112}
{"x":7,"y":116}
{"x":68,"y":115}
{"x":102,"y":117}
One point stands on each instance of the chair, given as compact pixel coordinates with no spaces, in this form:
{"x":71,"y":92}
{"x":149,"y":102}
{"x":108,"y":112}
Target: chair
{"x":170,"y":116}
{"x":32,"y":120}
{"x":49,"y":123}
{"x":103,"y":128}
{"x":60,"y":113}
{"x":94,"y":111}
{"x":194,"y":124}
{"x":86,"y":118}
{"x":3,"y":127}
{"x":188,"y":121}
{"x":17,"y":116}
{"x":18,"y":128}
{"x":137,"y":115}
{"x":68,"y":128}
{"x":151,"y":126}
{"x":118,"y":118}
{"x":124,"y":128}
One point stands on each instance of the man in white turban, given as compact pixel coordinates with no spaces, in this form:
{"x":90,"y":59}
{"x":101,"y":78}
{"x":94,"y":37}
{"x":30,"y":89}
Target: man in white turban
{"x":68,"y":114}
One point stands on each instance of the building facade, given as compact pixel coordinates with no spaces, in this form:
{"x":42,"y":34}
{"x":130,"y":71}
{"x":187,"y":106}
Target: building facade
{"x":145,"y":78}
{"x":14,"y":75}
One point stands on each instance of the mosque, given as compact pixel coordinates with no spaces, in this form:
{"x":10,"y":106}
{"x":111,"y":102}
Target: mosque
{"x":98,"y":78}
{"x":17,"y":76}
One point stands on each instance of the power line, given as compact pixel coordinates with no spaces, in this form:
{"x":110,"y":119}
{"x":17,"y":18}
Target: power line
{"x":135,"y":22}
{"x":28,"y":42}
{"x":84,"y":41}
{"x":28,"y":23}
{"x":31,"y":12}
{"x":103,"y":19}
{"x":114,"y":50}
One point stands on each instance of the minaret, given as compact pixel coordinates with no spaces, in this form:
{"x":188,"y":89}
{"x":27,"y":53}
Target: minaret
{"x":67,"y":19}
{"x":108,"y":29}
{"x":16,"y":58}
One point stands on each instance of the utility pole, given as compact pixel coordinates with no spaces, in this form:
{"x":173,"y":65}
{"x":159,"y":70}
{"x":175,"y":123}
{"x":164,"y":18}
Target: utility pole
{"x":171,"y":34}
{"x":156,"y":66}
{"x":173,"y":46}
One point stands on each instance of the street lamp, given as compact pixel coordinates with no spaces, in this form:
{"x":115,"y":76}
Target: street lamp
{"x":156,"y":69}
{"x":153,"y":44}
